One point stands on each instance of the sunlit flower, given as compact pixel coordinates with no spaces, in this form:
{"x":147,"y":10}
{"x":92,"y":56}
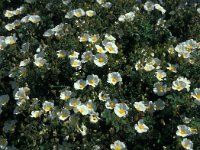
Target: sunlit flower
{"x":181,"y":83}
{"x":111,"y":48}
{"x":109,"y":37}
{"x":187,"y":144}
{"x":80,"y":84}
{"x":118,"y":145}
{"x":65,"y":94}
{"x":79,"y":12}
{"x":83,"y":109}
{"x":48,"y":106}
{"x":93,"y":38}
{"x":129,"y":16}
{"x":10,"y":40}
{"x":101,"y":59}
{"x":74,"y":102}
{"x":196,"y":94}
{"x":75,"y":63}
{"x":94,"y":117}
{"x":140,"y":106}
{"x":183,"y":131}
{"x":90,"y":13}
{"x":34,"y":18}
{"x":74,"y":55}
{"x":91,"y":106}
{"x":10,"y":26}
{"x":149,"y":67}
{"x":22,"y":93}
{"x":172,"y":68}
{"x":24,"y":62}
{"x":9,"y":13}
{"x":36,"y":114}
{"x":39,"y":62}
{"x":61,"y":53}
{"x":140,"y":127}
{"x":114,"y":77}
{"x":84,"y":37}
{"x":160,"y":8}
{"x":121,"y":109}
{"x":160,"y":88}
{"x":87,"y":56}
{"x":100,"y":49}
{"x":92,"y":80}
{"x":139,"y":65}
{"x":160,"y":75}
{"x":64,"y":114}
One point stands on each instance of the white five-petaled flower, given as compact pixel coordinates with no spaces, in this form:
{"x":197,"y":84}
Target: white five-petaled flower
{"x":140,"y":127}
{"x":101,"y":59}
{"x":87,"y":56}
{"x":100,"y":49}
{"x":111,"y":48}
{"x":74,"y":55}
{"x":121,"y":109}
{"x":36,"y":114}
{"x":196,"y":94}
{"x":118,"y":145}
{"x":140,"y":106}
{"x":75,"y":63}
{"x":48,"y":106}
{"x":80,"y":84}
{"x":181,"y":83}
{"x":64,"y":114}
{"x":83,"y":109}
{"x":149,"y":6}
{"x":114,"y":77}
{"x":93,"y":38}
{"x":92,"y":80}
{"x":187,"y":144}
{"x":183,"y":131}
{"x":90,"y":13}
{"x":160,"y":88}
{"x":78,"y":12}
{"x":39,"y":62}
{"x":84,"y":37}
{"x":160,"y":75}
{"x":74,"y":102}
{"x":65,"y":94}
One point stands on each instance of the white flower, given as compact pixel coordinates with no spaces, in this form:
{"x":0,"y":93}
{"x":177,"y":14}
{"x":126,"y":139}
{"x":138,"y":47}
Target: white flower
{"x":87,"y":56}
{"x":172,"y":68}
{"x":74,"y":55}
{"x":198,"y":10}
{"x":83,"y":109}
{"x":159,"y":104}
{"x":100,"y":49}
{"x":48,"y":106}
{"x":111,"y":48}
{"x":84,"y":37}
{"x":65,"y":94}
{"x":79,"y":12}
{"x":114,"y":77}
{"x":110,"y":104}
{"x":141,"y":127}
{"x":90,"y":13}
{"x":187,"y":144}
{"x":24,"y":62}
{"x":39,"y":62}
{"x":183,"y":131}
{"x":122,"y":18}
{"x":101,"y":59}
{"x":10,"y":40}
{"x":103,"y":96}
{"x":69,"y":15}
{"x":92,"y":80}
{"x":61,"y":53}
{"x":181,"y":83}
{"x":93,"y":38}
{"x":9,"y":13}
{"x":10,"y":26}
{"x":118,"y":145}
{"x":94,"y":117}
{"x":129,"y":16}
{"x":160,"y":8}
{"x":159,"y":88}
{"x":74,"y":102}
{"x":64,"y":114}
{"x":4,"y":99}
{"x":110,"y":37}
{"x":149,"y":6}
{"x":83,"y":130}
{"x":34,"y":18}
{"x":160,"y":75}
{"x":3,"y":142}
{"x":140,"y":106}
{"x":91,"y":106}
{"x":80,"y":84}
{"x":150,"y":107}
{"x":36,"y":114}
{"x":22,"y":93}
{"x":25,"y":19}
{"x":2,"y":42}
{"x":48,"y":33}
{"x":121,"y":109}
{"x":196,"y":94}
{"x":75,"y":63}
{"x":138,"y":65}
{"x":149,"y":67}
{"x":100,"y":1}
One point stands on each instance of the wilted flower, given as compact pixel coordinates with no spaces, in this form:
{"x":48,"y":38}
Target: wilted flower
{"x":114,"y":77}
{"x":118,"y":145}
{"x":92,"y":80}
{"x":83,"y":130}
{"x":48,"y":106}
{"x":140,"y":127}
{"x":22,"y":93}
{"x":160,"y":88}
{"x":140,"y":106}
{"x":121,"y":109}
{"x":80,"y":84}
{"x":3,"y":142}
{"x":100,"y":59}
{"x":183,"y":131}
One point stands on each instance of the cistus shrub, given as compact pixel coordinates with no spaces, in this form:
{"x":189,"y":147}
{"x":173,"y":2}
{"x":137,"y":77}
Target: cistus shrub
{"x":99,"y":75}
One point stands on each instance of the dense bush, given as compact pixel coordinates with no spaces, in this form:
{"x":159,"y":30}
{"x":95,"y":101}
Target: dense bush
{"x":95,"y":74}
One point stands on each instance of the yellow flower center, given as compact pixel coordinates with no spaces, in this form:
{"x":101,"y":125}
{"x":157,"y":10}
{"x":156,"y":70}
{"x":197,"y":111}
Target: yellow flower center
{"x":61,"y":55}
{"x":78,"y":14}
{"x":48,"y":108}
{"x":87,"y":57}
{"x":83,"y":39}
{"x":75,"y":104}
{"x":94,"y":39}
{"x":100,"y":50}
{"x":179,"y":87}
{"x":117,"y":148}
{"x":172,"y":68}
{"x":121,"y":111}
{"x":141,"y":126}
{"x":81,"y":86}
{"x":182,"y":132}
{"x":81,"y":110}
{"x":110,"y":49}
{"x":114,"y":80}
{"x":101,"y":59}
{"x":160,"y":76}
{"x":112,"y":105}
{"x":66,"y":97}
{"x":198,"y":96}
{"x":92,"y":81}
{"x":161,"y":88}
{"x":89,"y":106}
{"x":185,"y":145}
{"x":74,"y":63}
